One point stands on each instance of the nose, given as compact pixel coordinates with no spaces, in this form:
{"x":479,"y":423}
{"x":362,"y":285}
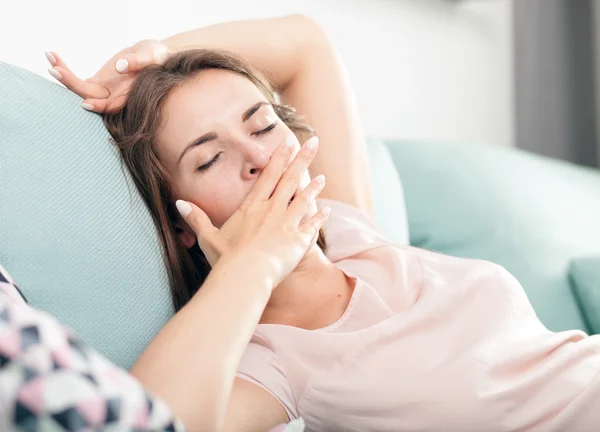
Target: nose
{"x":256,"y":158}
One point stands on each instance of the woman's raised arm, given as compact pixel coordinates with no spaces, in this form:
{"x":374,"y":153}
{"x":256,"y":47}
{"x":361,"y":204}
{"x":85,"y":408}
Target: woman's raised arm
{"x":275,"y":46}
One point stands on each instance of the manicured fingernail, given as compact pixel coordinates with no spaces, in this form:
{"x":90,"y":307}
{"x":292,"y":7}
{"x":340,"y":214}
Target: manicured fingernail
{"x":183,"y":207}
{"x":50,"y":57}
{"x":311,"y":144}
{"x":87,"y":106}
{"x":56,"y":74}
{"x":320,"y":179}
{"x":122,"y":65}
{"x":290,"y":141}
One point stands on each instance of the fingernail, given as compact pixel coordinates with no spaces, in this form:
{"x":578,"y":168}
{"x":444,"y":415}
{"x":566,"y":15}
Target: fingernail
{"x":320,"y":179}
{"x":183,"y":207}
{"x":290,"y":141}
{"x":122,"y":65}
{"x":311,"y":144}
{"x":56,"y":74}
{"x":50,"y":57}
{"x":87,"y":106}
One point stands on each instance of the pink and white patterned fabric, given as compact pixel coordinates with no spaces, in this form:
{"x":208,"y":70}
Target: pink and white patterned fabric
{"x":50,"y":380}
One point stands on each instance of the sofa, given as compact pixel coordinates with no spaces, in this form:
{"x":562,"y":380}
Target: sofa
{"x":78,"y":240}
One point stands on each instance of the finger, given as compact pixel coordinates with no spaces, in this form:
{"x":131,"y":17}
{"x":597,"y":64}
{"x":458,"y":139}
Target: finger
{"x":304,"y":199}
{"x":109,"y":105}
{"x":51,"y":57}
{"x":64,"y":74}
{"x":83,"y":88}
{"x":268,"y":179}
{"x":288,"y":184}
{"x":56,"y":60}
{"x":94,"y":105}
{"x":59,"y":60}
{"x":198,"y":221}
{"x":133,"y":62}
{"x":310,"y":229}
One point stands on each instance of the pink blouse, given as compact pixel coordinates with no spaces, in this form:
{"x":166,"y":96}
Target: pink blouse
{"x":427,"y":342}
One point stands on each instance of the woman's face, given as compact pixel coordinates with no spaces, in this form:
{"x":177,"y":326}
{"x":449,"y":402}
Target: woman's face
{"x":219,"y":135}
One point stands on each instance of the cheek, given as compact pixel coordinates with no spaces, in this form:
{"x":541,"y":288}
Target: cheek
{"x":218,"y":197}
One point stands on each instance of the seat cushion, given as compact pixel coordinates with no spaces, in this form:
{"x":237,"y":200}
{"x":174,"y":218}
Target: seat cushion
{"x":584,"y":274}
{"x":528,"y":213}
{"x":76,"y":234}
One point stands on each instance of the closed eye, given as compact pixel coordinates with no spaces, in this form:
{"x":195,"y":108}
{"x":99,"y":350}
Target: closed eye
{"x":265,"y":130}
{"x":209,"y":164}
{"x":216,"y":158}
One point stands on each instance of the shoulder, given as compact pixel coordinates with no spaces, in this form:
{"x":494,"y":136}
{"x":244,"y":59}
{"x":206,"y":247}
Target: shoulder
{"x":262,"y":366}
{"x":349,"y":231}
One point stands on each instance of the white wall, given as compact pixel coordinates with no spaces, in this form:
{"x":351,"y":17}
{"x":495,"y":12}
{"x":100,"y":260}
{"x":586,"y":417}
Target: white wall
{"x":422,"y":69}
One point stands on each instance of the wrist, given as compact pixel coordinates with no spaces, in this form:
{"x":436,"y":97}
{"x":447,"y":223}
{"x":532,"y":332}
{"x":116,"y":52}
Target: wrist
{"x":252,"y":270}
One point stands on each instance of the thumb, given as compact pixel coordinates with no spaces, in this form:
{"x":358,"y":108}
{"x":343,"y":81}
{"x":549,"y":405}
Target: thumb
{"x":133,"y":62}
{"x":197,"y":220}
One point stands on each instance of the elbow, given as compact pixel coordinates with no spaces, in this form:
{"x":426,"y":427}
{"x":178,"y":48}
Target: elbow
{"x":315,"y":33}
{"x":313,"y":26}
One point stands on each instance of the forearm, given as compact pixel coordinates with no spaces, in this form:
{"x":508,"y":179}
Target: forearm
{"x":274,"y":46}
{"x":322,"y":94}
{"x":191,"y":363}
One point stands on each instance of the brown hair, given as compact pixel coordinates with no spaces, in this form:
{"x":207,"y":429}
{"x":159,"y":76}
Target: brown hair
{"x":134,"y":130}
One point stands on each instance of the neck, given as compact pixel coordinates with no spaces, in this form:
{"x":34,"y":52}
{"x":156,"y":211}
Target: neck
{"x":301,"y":288}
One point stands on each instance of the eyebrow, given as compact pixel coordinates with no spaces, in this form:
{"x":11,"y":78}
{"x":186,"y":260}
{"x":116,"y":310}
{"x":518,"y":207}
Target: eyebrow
{"x":211,"y":135}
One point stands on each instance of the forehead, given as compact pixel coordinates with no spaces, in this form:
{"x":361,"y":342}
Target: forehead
{"x":212,"y":97}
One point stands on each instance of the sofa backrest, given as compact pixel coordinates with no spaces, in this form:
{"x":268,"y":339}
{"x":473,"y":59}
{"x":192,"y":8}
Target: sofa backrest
{"x":528,"y":213}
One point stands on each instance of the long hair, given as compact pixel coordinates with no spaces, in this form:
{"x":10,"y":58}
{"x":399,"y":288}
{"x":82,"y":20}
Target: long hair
{"x":134,"y":130}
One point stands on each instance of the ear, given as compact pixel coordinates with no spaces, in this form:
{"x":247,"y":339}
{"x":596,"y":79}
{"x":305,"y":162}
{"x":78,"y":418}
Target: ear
{"x":186,"y":235}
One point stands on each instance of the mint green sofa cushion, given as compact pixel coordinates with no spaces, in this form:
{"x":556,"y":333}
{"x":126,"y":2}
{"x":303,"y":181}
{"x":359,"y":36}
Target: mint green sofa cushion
{"x":584,"y":274}
{"x":78,"y":240}
{"x":74,"y":232}
{"x":528,"y":213}
{"x":389,"y":206}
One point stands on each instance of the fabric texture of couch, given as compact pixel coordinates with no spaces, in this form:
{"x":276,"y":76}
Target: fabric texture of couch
{"x":584,"y":274}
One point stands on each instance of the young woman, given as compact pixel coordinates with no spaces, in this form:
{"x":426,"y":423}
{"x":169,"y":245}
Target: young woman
{"x":339,"y":326}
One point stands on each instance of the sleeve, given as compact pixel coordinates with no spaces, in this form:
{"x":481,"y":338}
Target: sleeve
{"x":349,"y":231}
{"x":261,"y":365}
